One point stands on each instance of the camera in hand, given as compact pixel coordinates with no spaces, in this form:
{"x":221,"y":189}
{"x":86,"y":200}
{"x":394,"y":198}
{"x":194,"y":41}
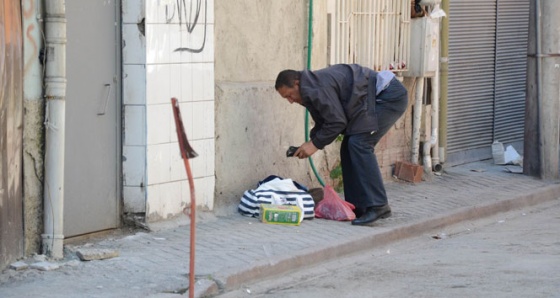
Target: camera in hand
{"x":291,"y":151}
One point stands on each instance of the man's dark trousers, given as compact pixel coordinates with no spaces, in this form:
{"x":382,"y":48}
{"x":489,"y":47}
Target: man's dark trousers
{"x":363,"y":182}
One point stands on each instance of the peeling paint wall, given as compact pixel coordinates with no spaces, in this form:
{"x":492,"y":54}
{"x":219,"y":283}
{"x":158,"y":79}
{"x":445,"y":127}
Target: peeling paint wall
{"x":168,"y":51}
{"x":33,"y":131}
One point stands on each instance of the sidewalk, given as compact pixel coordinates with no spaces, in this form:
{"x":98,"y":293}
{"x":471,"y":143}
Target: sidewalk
{"x":234,"y":250}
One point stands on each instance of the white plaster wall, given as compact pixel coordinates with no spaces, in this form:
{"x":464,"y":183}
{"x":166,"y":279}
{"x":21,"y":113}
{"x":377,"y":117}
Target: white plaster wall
{"x":158,"y":66}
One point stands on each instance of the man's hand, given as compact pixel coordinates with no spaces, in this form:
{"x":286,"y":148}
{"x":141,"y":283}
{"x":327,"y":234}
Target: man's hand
{"x":305,"y":150}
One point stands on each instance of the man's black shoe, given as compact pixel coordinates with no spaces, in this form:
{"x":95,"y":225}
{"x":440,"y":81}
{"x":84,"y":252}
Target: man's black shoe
{"x":372,"y":214}
{"x":359,"y":212}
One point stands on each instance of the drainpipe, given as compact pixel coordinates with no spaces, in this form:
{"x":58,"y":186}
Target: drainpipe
{"x":434,"y":143}
{"x":443,"y":82}
{"x":417,"y":120}
{"x":55,"y":95}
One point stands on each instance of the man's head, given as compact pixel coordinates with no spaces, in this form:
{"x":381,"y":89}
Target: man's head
{"x":287,"y":84}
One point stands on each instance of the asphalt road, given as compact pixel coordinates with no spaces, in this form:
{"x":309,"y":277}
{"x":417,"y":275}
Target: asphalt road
{"x":515,"y":254}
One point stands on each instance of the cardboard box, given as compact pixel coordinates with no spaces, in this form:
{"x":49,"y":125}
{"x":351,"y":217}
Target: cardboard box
{"x":280,"y":214}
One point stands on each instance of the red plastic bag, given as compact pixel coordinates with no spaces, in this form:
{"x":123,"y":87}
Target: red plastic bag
{"x":333,"y":207}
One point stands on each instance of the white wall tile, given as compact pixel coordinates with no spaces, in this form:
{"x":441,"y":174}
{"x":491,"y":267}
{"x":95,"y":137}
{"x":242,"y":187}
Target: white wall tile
{"x":157,"y":43}
{"x":164,"y":200}
{"x":151,"y":11}
{"x":199,"y":74}
{"x":174,"y":43}
{"x":203,"y":120}
{"x":161,"y":11}
{"x":177,"y":165}
{"x":158,"y":164}
{"x":134,"y":199}
{"x":160,"y":120}
{"x":134,"y":125}
{"x":158,"y":83}
{"x":210,"y":12}
{"x":203,"y":164}
{"x":209,"y":86}
{"x":134,"y":165}
{"x":134,"y":84}
{"x":187,"y":82}
{"x":133,"y":11}
{"x":134,"y":45}
{"x":204,"y":192}
{"x":175,"y":82}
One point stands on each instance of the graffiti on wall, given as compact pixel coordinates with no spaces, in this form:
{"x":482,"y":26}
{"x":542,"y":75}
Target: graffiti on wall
{"x":29,"y":8}
{"x":189,"y":12}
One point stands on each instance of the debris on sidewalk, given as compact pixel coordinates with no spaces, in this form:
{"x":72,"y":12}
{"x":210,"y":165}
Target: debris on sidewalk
{"x":20,"y":265}
{"x":45,"y":266}
{"x":514,"y":169}
{"x":408,"y":171}
{"x":509,"y":156}
{"x":89,"y":254}
{"x":39,"y":258}
{"x":440,"y":236}
{"x":512,"y":157}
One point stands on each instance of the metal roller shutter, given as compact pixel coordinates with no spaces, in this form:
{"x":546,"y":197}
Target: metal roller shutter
{"x":487,"y":76}
{"x":472,"y":36}
{"x":511,"y":69}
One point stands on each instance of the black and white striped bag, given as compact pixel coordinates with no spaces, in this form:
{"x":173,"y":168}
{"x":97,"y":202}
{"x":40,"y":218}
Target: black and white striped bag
{"x":276,"y":190}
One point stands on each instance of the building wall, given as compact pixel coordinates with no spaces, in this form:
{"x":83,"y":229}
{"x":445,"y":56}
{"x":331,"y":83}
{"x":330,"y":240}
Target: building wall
{"x":254,"y":126}
{"x":233,"y":116}
{"x":11,"y":132}
{"x":167,"y":53}
{"x":33,"y":121}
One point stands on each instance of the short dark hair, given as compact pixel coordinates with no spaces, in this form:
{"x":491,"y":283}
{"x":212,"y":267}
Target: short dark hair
{"x":287,"y":78}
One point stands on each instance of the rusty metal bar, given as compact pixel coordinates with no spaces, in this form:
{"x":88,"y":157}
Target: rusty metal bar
{"x":187,"y":152}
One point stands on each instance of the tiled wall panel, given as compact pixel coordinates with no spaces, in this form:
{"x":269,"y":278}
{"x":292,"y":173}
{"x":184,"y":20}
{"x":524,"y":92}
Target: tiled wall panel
{"x":174,"y":57}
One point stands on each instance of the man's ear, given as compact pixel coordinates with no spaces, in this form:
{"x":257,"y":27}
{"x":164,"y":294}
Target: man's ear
{"x":296,"y":83}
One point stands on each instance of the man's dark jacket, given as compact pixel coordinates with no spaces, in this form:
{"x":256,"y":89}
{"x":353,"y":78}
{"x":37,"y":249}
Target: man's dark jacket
{"x":340,"y":99}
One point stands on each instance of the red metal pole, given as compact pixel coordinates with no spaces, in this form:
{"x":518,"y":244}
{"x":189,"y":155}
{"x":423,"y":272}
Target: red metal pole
{"x":187,"y":152}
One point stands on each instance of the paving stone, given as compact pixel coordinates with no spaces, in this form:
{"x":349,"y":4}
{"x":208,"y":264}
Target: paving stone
{"x":45,"y":266}
{"x":89,"y":254}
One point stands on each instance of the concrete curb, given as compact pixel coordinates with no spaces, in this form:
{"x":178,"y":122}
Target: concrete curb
{"x":232,"y":278}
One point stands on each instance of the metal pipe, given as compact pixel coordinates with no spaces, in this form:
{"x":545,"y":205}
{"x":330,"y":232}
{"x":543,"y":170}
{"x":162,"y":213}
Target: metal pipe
{"x":55,"y":94}
{"x":417,"y":114}
{"x":443,"y":72}
{"x":539,"y":86}
{"x":435,"y":164}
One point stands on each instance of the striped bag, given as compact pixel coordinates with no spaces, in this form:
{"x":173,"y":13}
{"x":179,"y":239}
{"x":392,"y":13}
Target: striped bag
{"x":276,"y":190}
